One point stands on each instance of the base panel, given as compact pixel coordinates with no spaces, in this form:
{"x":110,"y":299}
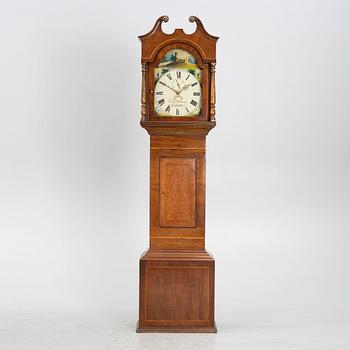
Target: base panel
{"x":176,"y":292}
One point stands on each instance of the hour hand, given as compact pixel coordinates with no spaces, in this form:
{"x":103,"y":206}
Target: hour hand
{"x":185,"y":87}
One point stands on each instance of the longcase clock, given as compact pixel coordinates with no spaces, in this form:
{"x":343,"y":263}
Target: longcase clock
{"x":178,"y":110}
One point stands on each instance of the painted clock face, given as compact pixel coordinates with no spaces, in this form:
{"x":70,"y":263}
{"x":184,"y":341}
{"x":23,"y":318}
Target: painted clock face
{"x":177,"y":91}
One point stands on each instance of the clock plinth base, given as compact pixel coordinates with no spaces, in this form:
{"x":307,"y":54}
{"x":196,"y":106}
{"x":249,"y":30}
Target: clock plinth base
{"x":177,"y":292}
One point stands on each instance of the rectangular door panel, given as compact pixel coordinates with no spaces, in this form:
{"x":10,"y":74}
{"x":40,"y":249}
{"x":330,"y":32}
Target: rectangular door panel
{"x":177,"y":192}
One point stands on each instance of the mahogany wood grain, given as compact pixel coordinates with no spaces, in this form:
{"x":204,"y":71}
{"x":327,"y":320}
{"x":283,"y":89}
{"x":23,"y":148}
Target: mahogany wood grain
{"x":177,"y":192}
{"x":162,"y":235}
{"x":176,"y":292}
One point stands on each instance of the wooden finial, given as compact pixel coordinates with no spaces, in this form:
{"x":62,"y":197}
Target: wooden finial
{"x":157,"y":26}
{"x":200,"y":26}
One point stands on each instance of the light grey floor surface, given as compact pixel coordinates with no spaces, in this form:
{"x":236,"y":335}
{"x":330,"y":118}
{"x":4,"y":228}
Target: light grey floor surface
{"x":251,"y":330}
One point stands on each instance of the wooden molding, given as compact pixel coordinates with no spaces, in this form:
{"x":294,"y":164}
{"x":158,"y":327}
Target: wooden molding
{"x":177,"y":128}
{"x":155,"y":39}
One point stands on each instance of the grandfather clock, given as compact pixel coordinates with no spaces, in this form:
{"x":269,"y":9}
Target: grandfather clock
{"x":178,"y":110}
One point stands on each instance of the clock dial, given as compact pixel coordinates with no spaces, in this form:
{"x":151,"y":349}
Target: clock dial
{"x":177,"y":89}
{"x":177,"y":93}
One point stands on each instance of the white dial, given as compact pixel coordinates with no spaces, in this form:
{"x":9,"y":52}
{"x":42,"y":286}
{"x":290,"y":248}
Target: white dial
{"x":177,"y":93}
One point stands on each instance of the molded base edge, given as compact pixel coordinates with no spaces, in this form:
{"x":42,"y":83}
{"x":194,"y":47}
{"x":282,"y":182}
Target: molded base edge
{"x":172,"y":329}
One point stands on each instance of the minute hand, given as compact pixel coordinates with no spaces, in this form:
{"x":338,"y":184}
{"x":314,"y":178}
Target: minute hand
{"x":169,"y":87}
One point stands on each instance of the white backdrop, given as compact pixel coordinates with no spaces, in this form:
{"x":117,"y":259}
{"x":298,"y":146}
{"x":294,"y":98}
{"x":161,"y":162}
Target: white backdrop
{"x":74,"y":160}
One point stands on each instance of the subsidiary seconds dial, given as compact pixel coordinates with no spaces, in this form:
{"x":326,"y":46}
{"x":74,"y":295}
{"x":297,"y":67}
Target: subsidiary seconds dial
{"x":177,"y":93}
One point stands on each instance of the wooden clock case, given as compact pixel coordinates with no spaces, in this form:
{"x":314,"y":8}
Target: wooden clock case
{"x":176,"y":272}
